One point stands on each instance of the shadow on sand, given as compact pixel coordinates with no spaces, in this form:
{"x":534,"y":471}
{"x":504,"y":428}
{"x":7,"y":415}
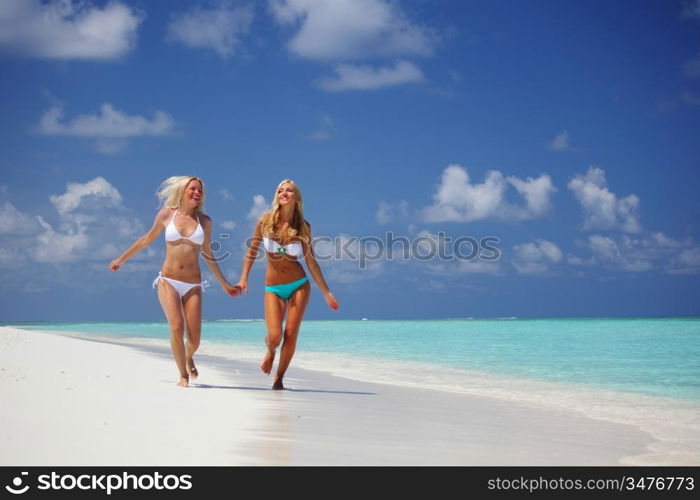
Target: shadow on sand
{"x":208,"y":386}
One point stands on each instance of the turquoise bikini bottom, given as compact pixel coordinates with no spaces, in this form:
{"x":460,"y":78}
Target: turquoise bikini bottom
{"x":285,"y":290}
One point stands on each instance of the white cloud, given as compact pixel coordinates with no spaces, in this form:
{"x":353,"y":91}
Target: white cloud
{"x":57,"y":247}
{"x":535,"y":257}
{"x":71,"y":244}
{"x":690,"y":257}
{"x":347,"y":31}
{"x":228,"y":225}
{"x":11,"y":258}
{"x":449,"y":257}
{"x":351,"y":29}
{"x":225,"y":194}
{"x":76,"y":193}
{"x":341,"y":258}
{"x":686,"y":262}
{"x":64,"y":29}
{"x":426,"y":252}
{"x":550,"y":250}
{"x":479,"y":267}
{"x":562,"y":142}
{"x":427,"y":244}
{"x":537,"y":194}
{"x":664,"y":241}
{"x":220,"y":28}
{"x":13,"y":222}
{"x":458,"y":200}
{"x":108,"y":123}
{"x":621,"y":254}
{"x":636,"y":254}
{"x":92,"y":224}
{"x":363,"y":77}
{"x":260,"y":206}
{"x":602,"y":209}
{"x":575,"y":260}
{"x":387,"y":212}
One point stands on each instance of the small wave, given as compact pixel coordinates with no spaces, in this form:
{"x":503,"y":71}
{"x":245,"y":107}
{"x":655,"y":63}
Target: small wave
{"x":243,"y":320}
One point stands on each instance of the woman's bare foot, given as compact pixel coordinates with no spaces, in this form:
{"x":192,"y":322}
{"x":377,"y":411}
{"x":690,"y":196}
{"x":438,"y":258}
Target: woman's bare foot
{"x":268,"y":359}
{"x":192,"y":370}
{"x":184,"y":382}
{"x":278,"y":385}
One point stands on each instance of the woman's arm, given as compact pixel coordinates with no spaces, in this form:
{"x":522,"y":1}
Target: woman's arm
{"x":144,"y":241}
{"x":211,"y":261}
{"x":250,"y":256}
{"x":315,"y":271}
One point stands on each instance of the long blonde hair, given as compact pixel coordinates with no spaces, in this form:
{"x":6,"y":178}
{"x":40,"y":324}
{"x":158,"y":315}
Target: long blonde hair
{"x":171,"y":192}
{"x":297,"y":226}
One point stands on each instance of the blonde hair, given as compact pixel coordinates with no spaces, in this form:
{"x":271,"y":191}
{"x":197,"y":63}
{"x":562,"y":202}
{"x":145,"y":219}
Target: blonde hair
{"x":171,"y":192}
{"x":297,"y":226}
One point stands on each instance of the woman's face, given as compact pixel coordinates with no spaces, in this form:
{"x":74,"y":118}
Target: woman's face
{"x":193,"y":193}
{"x":286,"y":194}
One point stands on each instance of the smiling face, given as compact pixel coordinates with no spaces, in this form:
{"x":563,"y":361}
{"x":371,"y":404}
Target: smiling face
{"x":286,"y":194}
{"x":194,"y":193}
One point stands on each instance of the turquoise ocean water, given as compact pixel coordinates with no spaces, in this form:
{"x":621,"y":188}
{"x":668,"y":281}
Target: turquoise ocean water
{"x":657,"y":357}
{"x":641,"y":372}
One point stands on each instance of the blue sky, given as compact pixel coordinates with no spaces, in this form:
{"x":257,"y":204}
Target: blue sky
{"x":568,"y":130}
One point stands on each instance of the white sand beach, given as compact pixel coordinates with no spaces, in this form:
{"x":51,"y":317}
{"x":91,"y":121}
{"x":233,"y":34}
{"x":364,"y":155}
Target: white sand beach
{"x":71,"y":401}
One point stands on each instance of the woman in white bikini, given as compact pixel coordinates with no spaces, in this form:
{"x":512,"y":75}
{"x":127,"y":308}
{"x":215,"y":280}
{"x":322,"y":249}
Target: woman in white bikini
{"x":179,"y":282}
{"x":286,"y":237}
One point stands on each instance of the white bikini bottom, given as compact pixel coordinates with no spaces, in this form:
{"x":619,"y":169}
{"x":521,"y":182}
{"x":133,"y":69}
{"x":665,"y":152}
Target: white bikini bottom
{"x":181,"y":287}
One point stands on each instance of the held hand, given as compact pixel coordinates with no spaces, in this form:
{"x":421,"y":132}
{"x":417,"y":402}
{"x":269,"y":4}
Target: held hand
{"x":331,"y":301}
{"x":233,"y":291}
{"x":114,"y":265}
{"x":243,"y":286}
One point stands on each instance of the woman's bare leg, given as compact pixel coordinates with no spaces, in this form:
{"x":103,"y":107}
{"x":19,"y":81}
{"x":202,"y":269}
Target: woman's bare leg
{"x":192,"y":309}
{"x":170,"y":302}
{"x":274,"y":314}
{"x":295,"y":313}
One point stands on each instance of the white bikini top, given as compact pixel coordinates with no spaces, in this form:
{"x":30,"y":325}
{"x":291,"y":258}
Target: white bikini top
{"x":172,"y":234}
{"x":292,"y":249}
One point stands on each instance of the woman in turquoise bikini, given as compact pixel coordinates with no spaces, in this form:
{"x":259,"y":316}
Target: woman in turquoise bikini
{"x":286,"y":237}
